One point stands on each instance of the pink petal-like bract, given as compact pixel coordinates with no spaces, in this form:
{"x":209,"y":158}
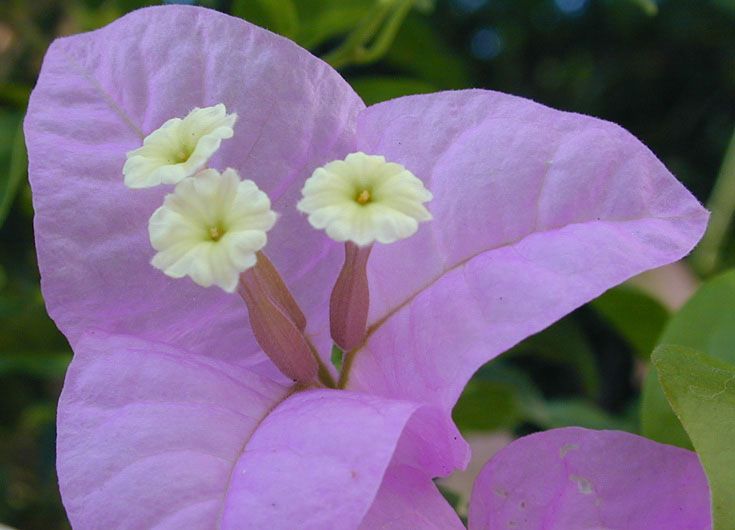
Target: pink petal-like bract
{"x":580,"y":479}
{"x":151,"y":436}
{"x":171,"y":417}
{"x":99,"y":92}
{"x":536,"y":212}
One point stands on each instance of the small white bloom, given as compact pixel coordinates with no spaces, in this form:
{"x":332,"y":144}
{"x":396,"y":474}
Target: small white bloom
{"x":210,"y":228}
{"x":364,"y":199}
{"x":179,"y":148}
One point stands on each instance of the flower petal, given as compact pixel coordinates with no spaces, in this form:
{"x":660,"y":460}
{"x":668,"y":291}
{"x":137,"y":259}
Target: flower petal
{"x":579,"y":479}
{"x":536,"y":212}
{"x":408,"y":499}
{"x":99,"y":93}
{"x":195,"y":442}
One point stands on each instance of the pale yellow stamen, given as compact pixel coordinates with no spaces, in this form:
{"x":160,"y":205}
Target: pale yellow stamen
{"x":215,"y":233}
{"x":364,"y":197}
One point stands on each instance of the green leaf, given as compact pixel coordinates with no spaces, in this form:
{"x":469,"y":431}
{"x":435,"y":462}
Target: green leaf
{"x":706,"y":323}
{"x":279,"y":16}
{"x":701,"y":389}
{"x":486,"y":406}
{"x":381,"y":88}
{"x":636,"y":316}
{"x":13,"y":160}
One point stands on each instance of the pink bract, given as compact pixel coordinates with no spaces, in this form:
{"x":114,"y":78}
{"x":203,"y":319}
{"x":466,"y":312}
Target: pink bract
{"x":171,"y":417}
{"x":578,"y":479}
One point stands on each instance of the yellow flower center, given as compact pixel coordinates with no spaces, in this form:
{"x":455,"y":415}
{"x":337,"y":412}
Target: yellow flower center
{"x":216,"y":232}
{"x":363,"y":197}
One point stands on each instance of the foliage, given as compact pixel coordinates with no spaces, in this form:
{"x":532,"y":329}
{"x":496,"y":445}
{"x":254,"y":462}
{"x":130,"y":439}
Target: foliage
{"x":701,"y":391}
{"x":706,"y":323}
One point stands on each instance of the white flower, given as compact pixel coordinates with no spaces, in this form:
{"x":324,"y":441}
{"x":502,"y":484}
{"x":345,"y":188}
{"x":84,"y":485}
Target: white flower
{"x":179,"y":148}
{"x":364,"y":199}
{"x":210,"y":228}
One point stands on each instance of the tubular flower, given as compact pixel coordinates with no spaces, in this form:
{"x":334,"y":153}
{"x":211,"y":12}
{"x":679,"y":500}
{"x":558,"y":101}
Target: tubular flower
{"x":179,"y":148}
{"x":364,"y":199}
{"x":210,"y":228}
{"x":180,"y":402}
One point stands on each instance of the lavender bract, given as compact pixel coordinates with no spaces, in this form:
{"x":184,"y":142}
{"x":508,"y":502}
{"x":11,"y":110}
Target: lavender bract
{"x":171,"y":416}
{"x":579,"y":479}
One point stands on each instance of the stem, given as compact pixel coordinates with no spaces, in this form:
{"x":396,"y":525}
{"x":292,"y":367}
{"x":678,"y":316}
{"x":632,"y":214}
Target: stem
{"x":387,"y":35}
{"x":722,"y":204}
{"x":344,"y":375}
{"x":325,"y":376}
{"x":355,"y":47}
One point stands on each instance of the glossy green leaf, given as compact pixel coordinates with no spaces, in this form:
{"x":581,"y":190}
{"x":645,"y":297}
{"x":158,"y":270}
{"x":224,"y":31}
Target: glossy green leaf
{"x":636,"y":316}
{"x":701,"y":389}
{"x":279,"y":16}
{"x":381,"y":88}
{"x":706,"y":323}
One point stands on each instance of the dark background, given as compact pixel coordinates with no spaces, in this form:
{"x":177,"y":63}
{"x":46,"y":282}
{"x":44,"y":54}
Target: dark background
{"x":664,"y":70}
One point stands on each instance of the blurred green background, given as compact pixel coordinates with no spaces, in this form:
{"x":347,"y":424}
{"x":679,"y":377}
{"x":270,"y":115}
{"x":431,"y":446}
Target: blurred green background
{"x":663,"y":69}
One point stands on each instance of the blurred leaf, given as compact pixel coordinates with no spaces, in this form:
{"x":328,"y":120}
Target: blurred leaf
{"x":639,"y":318}
{"x":728,"y":5}
{"x":577,"y":412}
{"x":451,"y":496}
{"x":706,"y":323}
{"x":420,"y":51}
{"x":425,"y":6}
{"x":650,"y":7}
{"x":279,"y":16}
{"x":701,"y":390}
{"x":38,"y":416}
{"x":41,"y":365}
{"x":487,"y":406}
{"x":375,"y":89}
{"x":706,"y":256}
{"x":25,"y":328}
{"x":322,"y":20}
{"x":13,"y":160}
{"x":14,"y":94}
{"x":502,"y":397}
{"x":565,"y":343}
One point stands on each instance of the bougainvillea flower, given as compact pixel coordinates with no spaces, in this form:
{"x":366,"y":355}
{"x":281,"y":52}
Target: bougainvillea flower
{"x":210,"y":228}
{"x":171,"y":415}
{"x":579,"y":479}
{"x":179,"y":148}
